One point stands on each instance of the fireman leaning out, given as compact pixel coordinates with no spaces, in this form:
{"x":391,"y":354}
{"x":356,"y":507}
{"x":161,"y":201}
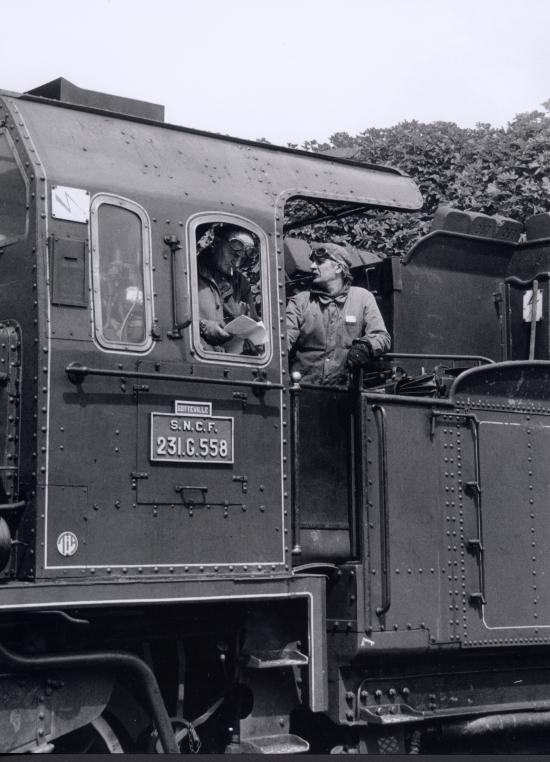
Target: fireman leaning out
{"x":324,"y":323}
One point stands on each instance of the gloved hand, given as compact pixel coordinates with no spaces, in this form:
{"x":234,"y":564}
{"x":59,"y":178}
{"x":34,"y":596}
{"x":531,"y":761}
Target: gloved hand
{"x":214,"y":333}
{"x":359,"y":355}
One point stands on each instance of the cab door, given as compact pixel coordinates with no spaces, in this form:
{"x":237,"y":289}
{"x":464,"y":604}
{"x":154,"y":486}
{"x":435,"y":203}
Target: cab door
{"x":209,"y":467}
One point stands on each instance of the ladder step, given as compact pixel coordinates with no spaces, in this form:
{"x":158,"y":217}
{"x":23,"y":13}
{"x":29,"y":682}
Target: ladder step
{"x":281,"y":744}
{"x":286,"y":657}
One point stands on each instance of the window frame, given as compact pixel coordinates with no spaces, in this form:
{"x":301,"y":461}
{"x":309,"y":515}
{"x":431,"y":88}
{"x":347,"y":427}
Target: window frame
{"x":11,"y":145}
{"x":223,"y":358}
{"x":120,"y":202}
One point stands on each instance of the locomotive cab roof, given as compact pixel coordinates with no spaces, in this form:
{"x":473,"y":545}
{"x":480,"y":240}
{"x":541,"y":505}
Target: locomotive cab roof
{"x":346,"y":182}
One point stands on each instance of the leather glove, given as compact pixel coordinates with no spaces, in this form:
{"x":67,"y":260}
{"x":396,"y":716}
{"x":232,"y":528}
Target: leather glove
{"x":359,"y":355}
{"x":213,"y":332}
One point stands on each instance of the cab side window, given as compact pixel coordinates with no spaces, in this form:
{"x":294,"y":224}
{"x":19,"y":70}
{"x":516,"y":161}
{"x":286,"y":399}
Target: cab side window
{"x":230,"y":279}
{"x":13,"y":194}
{"x":121,"y":275}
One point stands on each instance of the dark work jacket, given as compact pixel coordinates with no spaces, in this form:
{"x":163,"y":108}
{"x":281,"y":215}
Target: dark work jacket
{"x":224,"y":300}
{"x":321,"y":329}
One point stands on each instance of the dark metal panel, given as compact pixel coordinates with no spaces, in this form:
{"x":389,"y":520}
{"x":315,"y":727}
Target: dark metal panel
{"x":509,"y":557}
{"x":69,"y":272}
{"x":515,"y":596}
{"x":325,"y":473}
{"x":516,"y":386}
{"x":134,"y":517}
{"x":530,"y":258}
{"x":507,"y":600}
{"x":63,"y":90}
{"x":217,"y":504}
{"x":447,"y":303}
{"x":415,"y":511}
{"x":101,"y":151}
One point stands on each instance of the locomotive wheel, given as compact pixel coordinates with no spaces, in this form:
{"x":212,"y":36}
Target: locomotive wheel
{"x":184,"y":733}
{"x":97,"y":737}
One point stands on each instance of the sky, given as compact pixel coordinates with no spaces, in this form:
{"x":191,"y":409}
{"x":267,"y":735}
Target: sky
{"x":289,"y":70}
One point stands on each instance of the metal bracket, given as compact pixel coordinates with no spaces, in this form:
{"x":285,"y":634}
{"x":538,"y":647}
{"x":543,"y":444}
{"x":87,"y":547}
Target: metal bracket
{"x":244,"y":481}
{"x":472,"y":488}
{"x":137,"y":388}
{"x":477,"y":599}
{"x":475,"y":545}
{"x":242,"y":396}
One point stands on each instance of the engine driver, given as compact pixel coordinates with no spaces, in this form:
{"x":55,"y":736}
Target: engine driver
{"x":224,"y":292}
{"x":335,"y":327}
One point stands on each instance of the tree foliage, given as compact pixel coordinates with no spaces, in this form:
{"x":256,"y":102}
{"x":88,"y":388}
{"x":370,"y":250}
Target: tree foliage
{"x":494,"y":170}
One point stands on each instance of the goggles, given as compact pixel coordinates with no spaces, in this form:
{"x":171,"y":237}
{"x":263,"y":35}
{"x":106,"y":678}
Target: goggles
{"x":319,"y":255}
{"x":241,"y":245}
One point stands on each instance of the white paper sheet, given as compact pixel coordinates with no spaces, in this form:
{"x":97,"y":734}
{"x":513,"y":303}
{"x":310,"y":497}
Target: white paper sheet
{"x":242,"y":328}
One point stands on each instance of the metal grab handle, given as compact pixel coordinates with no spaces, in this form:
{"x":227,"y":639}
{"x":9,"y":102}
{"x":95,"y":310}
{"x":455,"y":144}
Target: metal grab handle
{"x":380,"y":417}
{"x":77,"y":373}
{"x":356,"y":499}
{"x":476,"y":544}
{"x":295,"y":467}
{"x":181,"y":309}
{"x":424,"y":356}
{"x":533,"y":329}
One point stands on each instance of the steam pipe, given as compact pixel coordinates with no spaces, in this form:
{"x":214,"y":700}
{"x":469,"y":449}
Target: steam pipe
{"x":117,"y":660}
{"x":498,"y":723}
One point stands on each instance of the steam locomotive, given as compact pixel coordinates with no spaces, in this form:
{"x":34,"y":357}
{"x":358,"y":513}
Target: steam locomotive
{"x":199,"y":552}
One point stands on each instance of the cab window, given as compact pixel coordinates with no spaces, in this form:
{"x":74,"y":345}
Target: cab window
{"x":229,"y":314}
{"x":121,"y":274}
{"x":13,"y":194}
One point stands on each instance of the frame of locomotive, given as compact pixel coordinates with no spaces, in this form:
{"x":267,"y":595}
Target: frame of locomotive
{"x":342,"y":615}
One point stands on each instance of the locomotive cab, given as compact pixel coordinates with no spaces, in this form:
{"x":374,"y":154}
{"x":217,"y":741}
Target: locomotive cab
{"x":199,"y":552}
{"x":147,"y":471}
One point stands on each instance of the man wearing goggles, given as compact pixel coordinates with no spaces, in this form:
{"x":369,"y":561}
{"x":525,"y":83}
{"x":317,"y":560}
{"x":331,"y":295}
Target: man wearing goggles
{"x":335,"y":327}
{"x":224,"y":292}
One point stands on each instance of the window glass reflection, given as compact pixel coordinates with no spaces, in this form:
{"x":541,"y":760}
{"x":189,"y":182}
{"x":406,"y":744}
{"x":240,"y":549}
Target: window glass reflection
{"x":121,"y":276}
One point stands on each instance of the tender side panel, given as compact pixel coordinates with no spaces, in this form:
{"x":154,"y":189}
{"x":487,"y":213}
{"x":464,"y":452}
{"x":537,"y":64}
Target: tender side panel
{"x":408,"y":532}
{"x":509,"y":408}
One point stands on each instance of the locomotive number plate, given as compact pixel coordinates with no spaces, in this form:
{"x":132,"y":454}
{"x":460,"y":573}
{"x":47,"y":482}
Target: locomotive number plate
{"x":191,"y":439}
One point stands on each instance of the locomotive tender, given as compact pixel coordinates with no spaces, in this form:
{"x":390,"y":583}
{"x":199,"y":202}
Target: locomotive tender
{"x":199,"y":552}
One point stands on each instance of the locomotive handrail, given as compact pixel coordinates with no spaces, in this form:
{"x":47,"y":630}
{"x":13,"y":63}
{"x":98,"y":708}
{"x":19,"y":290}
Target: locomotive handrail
{"x":181,"y":315}
{"x":430,"y":356}
{"x":13,"y":506}
{"x":380,"y":416}
{"x":295,"y":464}
{"x":356,"y":498}
{"x":515,"y":281}
{"x":77,"y":373}
{"x":408,"y":399}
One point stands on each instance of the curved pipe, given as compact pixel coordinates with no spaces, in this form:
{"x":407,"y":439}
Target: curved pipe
{"x":4,"y":507}
{"x":515,"y":281}
{"x":115,"y":659}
